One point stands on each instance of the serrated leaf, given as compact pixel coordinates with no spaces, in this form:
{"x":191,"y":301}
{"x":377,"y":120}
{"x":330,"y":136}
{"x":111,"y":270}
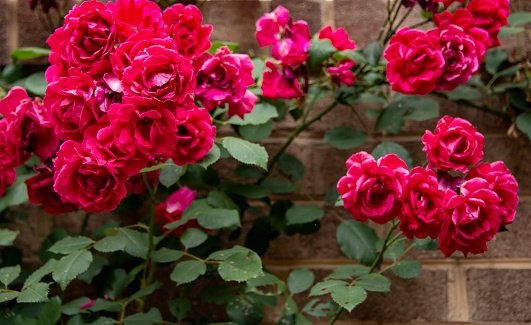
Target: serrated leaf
{"x":212,"y":218}
{"x":188,"y":271}
{"x":151,"y":317}
{"x":387,"y":147}
{"x":348,"y":297}
{"x":266,"y":284}
{"x":321,"y":288}
{"x":74,"y":307}
{"x":407,"y":269}
{"x":193,"y":237}
{"x":6,"y":296}
{"x":495,"y":60}
{"x":37,"y":292}
{"x":391,"y":117}
{"x":136,"y":243}
{"x":320,"y":50}
{"x":275,"y":185}
{"x":111,"y":244}
{"x":347,"y":272}
{"x":36,"y":276}
{"x":170,"y":174}
{"x":374,"y":282}
{"x":226,"y":253}
{"x":261,"y":113}
{"x":70,"y":266}
{"x":256,"y":132}
{"x":292,"y":166}
{"x":50,"y":312}
{"x":519,"y":18}
{"x":211,"y":157}
{"x":240,"y":267}
{"x":523,"y":121}
{"x":427,"y":244}
{"x":221,"y":200}
{"x":300,"y":280}
{"x":16,"y":193}
{"x":146,"y":291}
{"x":357,"y":241}
{"x":216,"y":45}
{"x":166,"y":255}
{"x":108,"y":306}
{"x":8,"y":274}
{"x":70,"y":244}
{"x":345,"y":138}
{"x":299,"y":214}
{"x":246,"y":152}
{"x":421,"y":109}
{"x":7,"y":236}
{"x":180,"y":307}
{"x":245,"y":309}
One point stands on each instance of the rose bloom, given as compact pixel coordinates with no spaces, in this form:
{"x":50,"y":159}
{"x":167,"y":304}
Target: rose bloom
{"x":195,"y":136}
{"x":340,"y":39}
{"x":270,"y":26}
{"x":291,"y":50}
{"x":172,"y":210}
{"x":448,"y":3}
{"x":490,"y":15}
{"x":40,"y":191}
{"x":503,"y":183}
{"x":421,"y":213}
{"x":12,"y":153}
{"x":7,"y":178}
{"x":33,"y":120}
{"x":428,"y":5}
{"x":135,"y":184}
{"x":342,"y":73}
{"x":471,"y":218}
{"x":280,"y":82}
{"x":45,"y":4}
{"x":86,"y":39}
{"x":454,"y":145}
{"x":415,"y":62}
{"x":87,"y":180}
{"x":372,"y":189}
{"x":132,"y":16}
{"x":183,"y":24}
{"x":222,"y":79}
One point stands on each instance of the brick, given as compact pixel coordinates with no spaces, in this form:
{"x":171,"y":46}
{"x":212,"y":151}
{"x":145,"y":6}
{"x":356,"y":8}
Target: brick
{"x":499,"y":295}
{"x":234,"y":21}
{"x":361,"y":21}
{"x":308,"y":11}
{"x":4,"y":30}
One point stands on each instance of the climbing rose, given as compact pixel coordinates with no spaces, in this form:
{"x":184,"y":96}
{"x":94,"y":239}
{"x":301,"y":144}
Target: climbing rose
{"x":270,"y":26}
{"x":448,"y":3}
{"x":372,"y":189}
{"x":7,"y":178}
{"x":342,"y":73}
{"x":132,"y":16}
{"x":292,"y":49}
{"x":454,"y":145}
{"x":280,"y":82}
{"x":12,"y":153}
{"x":173,"y":208}
{"x":340,"y":39}
{"x":490,"y":15}
{"x":428,"y":5}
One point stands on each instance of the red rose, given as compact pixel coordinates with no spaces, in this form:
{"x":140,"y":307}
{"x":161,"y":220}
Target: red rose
{"x":7,"y":178}
{"x":173,"y":208}
{"x":340,"y":39}
{"x":292,"y":49}
{"x":372,"y":189}
{"x":135,"y":184}
{"x":342,"y":73}
{"x":448,"y":3}
{"x":490,"y":15}
{"x":12,"y":153}
{"x":280,"y":82}
{"x":454,"y":145}
{"x":270,"y":26}
{"x":132,"y":16}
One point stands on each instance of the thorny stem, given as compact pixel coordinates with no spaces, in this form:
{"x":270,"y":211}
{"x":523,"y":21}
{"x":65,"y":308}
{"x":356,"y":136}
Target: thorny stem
{"x":392,"y":30}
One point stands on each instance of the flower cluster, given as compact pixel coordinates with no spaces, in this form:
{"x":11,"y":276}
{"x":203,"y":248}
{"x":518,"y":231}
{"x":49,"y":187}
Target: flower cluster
{"x":443,"y":58}
{"x":465,"y":207}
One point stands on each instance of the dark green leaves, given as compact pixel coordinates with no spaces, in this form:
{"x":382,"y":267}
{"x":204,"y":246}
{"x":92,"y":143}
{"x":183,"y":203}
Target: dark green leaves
{"x":345,"y":138}
{"x":188,"y":271}
{"x":427,"y":244}
{"x":299,"y":214}
{"x":246,"y":152}
{"x":495,"y":60}
{"x":523,"y":121}
{"x":357,"y":241}
{"x":166,"y":255}
{"x":462,"y":92}
{"x":70,"y":244}
{"x":319,"y":51}
{"x":25,"y":53}
{"x":261,"y":113}
{"x":170,"y":174}
{"x":238,"y":264}
{"x":292,"y":166}
{"x":415,"y":108}
{"x":373,"y":52}
{"x":7,"y":237}
{"x":9,"y":274}
{"x":348,"y":297}
{"x":386,"y":148}
{"x":70,"y":266}
{"x":300,"y":280}
{"x":407,"y":269}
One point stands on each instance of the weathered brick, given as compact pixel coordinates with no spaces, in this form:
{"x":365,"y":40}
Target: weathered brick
{"x":499,"y":295}
{"x":4,"y":30}
{"x":361,"y":21}
{"x":309,"y":11}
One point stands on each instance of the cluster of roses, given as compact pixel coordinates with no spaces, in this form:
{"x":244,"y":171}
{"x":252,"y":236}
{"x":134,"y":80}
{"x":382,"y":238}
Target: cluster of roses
{"x":291,"y":42}
{"x":120,"y":98}
{"x":464,"y":207}
{"x":442,"y":58}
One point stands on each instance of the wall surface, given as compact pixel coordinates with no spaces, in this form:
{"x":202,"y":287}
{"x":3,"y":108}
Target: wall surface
{"x":493,"y":288}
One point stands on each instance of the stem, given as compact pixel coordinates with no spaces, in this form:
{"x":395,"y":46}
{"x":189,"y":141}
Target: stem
{"x":479,"y":106}
{"x":387,"y":19}
{"x":84,"y":224}
{"x":396,"y":5}
{"x":392,"y":30}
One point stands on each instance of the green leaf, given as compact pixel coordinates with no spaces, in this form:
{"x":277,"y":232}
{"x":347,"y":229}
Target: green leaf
{"x":211,"y":157}
{"x":407,"y":269}
{"x":495,"y":60}
{"x":421,"y":109}
{"x":16,"y":193}
{"x":165,"y":255}
{"x":245,"y":310}
{"x":354,"y":55}
{"x":188,"y":271}
{"x":275,"y":185}
{"x":73,"y":307}
{"x":136,"y":243}
{"x":347,"y":272}
{"x":259,"y":68}
{"x":226,"y":253}
{"x":212,"y":218}
{"x":216,"y":45}
{"x":463,"y":92}
{"x":70,"y":244}
{"x":506,"y":31}
{"x":322,"y":288}
{"x":6,"y":296}
{"x":9,"y":274}
{"x":103,"y":321}
{"x":395,"y":251}
{"x":25,"y":53}
{"x":267,"y":285}
{"x":193,"y":237}
{"x":290,"y":306}
{"x":261,"y":113}
{"x":151,"y":317}
{"x":170,"y":174}
{"x":345,"y":138}
{"x":246,"y":152}
{"x":111,"y":244}
{"x":13,"y":72}
{"x":145,"y":291}
{"x":386,"y":148}
{"x":392,"y":117}
{"x":523,"y":121}
{"x":511,"y":71}
{"x":108,"y":306}
{"x":36,"y":276}
{"x":36,"y":292}
{"x":240,"y":267}
{"x":369,"y":98}
{"x":256,"y":132}
{"x":357,"y":241}
{"x":180,"y":307}
{"x":221,"y":200}
{"x":50,"y":312}
{"x":299,"y":214}
{"x":94,"y":269}
{"x":8,"y":236}
{"x":292,"y":166}
{"x":70,"y":266}
{"x":374,"y":282}
{"x":248,"y":171}
{"x":519,"y":18}
{"x":426,"y":244}
{"x":373,"y":52}
{"x":348,"y":297}
{"x":320,"y":50}
{"x":156,"y":167}
{"x":36,"y":83}
{"x":300,"y":280}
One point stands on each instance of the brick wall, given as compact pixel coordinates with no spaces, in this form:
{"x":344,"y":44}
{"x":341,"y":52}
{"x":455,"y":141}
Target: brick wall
{"x":492,"y":288}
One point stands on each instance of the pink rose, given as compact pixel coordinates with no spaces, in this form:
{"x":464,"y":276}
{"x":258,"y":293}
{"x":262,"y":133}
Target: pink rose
{"x":12,"y":153}
{"x":195,"y":136}
{"x":340,"y":39}
{"x":421,"y":213}
{"x":342,"y":73}
{"x":280,"y":82}
{"x":454,"y":145}
{"x":490,"y":15}
{"x":415,"y":62}
{"x":270,"y":26}
{"x":7,"y":178}
{"x":132,"y":16}
{"x":183,"y":24}
{"x":503,"y":183}
{"x":448,"y":3}
{"x":222,"y":79}
{"x":471,"y":218}
{"x":172,"y":210}
{"x":40,"y":191}
{"x":291,"y":49}
{"x":87,"y":180}
{"x":372,"y":189}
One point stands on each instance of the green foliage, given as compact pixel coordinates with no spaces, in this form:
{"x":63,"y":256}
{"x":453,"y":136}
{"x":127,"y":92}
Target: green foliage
{"x":267,"y":285}
{"x":519,"y":18}
{"x":463,"y":92}
{"x":386,"y":148}
{"x":261,"y":113}
{"x":495,"y":60}
{"x":374,"y":282}
{"x":16,"y":193}
{"x":71,"y":266}
{"x":36,"y":83}
{"x":299,"y":214}
{"x":407,"y":269}
{"x":166,"y":255}
{"x":7,"y":237}
{"x":345,"y":138}
{"x":238,"y":264}
{"x":170,"y":173}
{"x":373,"y":53}
{"x":211,"y":157}
{"x":256,"y":132}
{"x":426,"y":244}
{"x":246,"y":152}
{"x":70,"y":245}
{"x":36,"y":292}
{"x":292,"y":166}
{"x":180,"y":307}
{"x":193,"y":237}
{"x":50,"y":312}
{"x":320,"y":50}
{"x":25,"y":53}
{"x":348,"y":297}
{"x":151,"y":317}
{"x":216,"y":45}
{"x":275,"y":185}
{"x":523,"y":121}
{"x":300,"y":280}
{"x":357,"y":241}
{"x":188,"y":271}
{"x":8,"y":274}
